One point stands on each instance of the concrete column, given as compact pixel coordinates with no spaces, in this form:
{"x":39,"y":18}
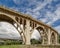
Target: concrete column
{"x":20,"y":20}
{"x":32,"y":24}
{"x":56,"y":38}
{"x":35,"y":25}
{"x":17,"y":21}
{"x":27,"y":32}
{"x":49,"y":36}
{"x":23,"y":22}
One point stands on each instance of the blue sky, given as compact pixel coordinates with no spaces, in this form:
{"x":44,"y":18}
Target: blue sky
{"x":48,"y":11}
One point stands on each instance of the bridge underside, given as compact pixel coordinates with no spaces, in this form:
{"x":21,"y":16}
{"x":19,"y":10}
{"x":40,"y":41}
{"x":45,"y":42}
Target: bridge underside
{"x":26,"y":26}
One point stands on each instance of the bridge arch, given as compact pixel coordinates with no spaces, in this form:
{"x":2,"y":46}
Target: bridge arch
{"x":9,"y":19}
{"x":43,"y":34}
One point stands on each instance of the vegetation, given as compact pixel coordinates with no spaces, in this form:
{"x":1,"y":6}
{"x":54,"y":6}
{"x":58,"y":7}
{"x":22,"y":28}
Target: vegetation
{"x":11,"y":42}
{"x":30,"y":46}
{"x":18,"y":42}
{"x":59,"y":38}
{"x":34,"y":41}
{"x":11,"y":46}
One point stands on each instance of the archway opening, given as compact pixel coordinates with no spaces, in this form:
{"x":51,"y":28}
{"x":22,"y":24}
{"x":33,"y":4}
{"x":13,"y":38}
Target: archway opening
{"x":53,"y":40}
{"x":37,"y":35}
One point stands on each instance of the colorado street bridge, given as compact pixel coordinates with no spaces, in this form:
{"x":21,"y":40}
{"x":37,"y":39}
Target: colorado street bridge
{"x":26,"y":25}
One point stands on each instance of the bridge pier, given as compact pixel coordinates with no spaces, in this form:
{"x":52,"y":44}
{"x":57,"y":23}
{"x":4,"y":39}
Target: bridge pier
{"x":27,"y":32}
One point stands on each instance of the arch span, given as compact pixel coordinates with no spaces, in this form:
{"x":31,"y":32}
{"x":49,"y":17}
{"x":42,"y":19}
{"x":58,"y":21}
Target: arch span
{"x":12,"y":21}
{"x":43,"y":34}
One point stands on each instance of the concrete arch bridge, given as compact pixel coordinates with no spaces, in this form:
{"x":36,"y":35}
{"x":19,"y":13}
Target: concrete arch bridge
{"x":25,"y":25}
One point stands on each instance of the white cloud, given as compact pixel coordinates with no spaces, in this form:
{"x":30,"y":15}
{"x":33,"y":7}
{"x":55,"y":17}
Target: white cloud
{"x":44,"y":19}
{"x":30,"y":2}
{"x":34,"y":12}
{"x":57,"y":12}
{"x":41,"y":5}
{"x":53,"y":16}
{"x":50,"y":17}
{"x":15,"y":8}
{"x":17,"y":1}
{"x":8,"y":31}
{"x":35,"y":35}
